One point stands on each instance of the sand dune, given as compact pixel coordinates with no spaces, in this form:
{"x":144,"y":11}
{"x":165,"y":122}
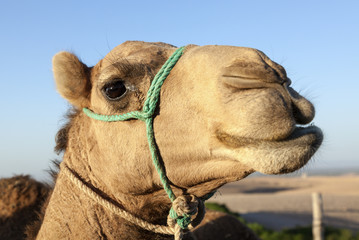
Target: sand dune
{"x":279,"y":202}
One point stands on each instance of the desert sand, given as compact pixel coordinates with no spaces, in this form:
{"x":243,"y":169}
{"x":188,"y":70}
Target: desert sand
{"x":284,"y":202}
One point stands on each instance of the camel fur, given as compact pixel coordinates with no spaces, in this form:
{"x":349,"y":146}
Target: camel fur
{"x":21,"y":198}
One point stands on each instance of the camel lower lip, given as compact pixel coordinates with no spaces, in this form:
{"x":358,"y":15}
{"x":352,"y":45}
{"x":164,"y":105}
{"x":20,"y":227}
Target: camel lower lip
{"x":310,"y":135}
{"x":294,"y":151}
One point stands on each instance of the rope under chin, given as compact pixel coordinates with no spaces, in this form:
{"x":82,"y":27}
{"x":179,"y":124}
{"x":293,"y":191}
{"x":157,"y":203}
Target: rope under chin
{"x":185,"y":205}
{"x":187,"y":211}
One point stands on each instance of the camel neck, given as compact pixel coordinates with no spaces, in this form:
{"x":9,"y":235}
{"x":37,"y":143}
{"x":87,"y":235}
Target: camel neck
{"x":71,"y":213}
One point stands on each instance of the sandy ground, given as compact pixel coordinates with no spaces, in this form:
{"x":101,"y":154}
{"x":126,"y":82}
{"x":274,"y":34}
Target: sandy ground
{"x":278,"y":202}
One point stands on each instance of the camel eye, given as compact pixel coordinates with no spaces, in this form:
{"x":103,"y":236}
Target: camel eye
{"x":114,"y":90}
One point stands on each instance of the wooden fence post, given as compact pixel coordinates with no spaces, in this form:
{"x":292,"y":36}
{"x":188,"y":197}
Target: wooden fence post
{"x":318,"y":231}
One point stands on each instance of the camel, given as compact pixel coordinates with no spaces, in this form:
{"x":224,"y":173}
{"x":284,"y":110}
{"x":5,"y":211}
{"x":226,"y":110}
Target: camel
{"x":223,"y":112}
{"x":21,"y":198}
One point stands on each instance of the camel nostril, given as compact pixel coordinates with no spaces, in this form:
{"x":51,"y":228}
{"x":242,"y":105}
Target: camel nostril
{"x":242,"y":82}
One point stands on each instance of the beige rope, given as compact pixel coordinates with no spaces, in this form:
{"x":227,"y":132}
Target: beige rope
{"x":182,"y":205}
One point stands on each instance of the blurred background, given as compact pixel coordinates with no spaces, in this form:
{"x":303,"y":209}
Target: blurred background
{"x":316,"y":41}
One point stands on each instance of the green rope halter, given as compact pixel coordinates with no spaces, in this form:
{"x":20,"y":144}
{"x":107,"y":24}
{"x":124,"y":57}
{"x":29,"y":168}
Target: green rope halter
{"x":147,"y":115}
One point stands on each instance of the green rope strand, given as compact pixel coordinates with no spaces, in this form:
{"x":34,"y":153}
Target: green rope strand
{"x":152,"y":98}
{"x":147,"y":115}
{"x":154,"y":153}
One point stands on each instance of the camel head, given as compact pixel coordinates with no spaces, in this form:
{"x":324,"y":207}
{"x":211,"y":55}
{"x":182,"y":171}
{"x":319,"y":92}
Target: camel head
{"x":224,"y":112}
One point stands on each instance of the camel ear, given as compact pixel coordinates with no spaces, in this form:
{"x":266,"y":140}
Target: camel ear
{"x":72,"y":79}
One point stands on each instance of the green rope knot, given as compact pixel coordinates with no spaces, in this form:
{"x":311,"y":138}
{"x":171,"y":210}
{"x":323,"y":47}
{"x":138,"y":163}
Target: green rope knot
{"x":184,"y":207}
{"x":183,"y":221}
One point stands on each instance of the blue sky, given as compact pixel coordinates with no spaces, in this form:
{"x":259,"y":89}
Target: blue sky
{"x":316,"y":41}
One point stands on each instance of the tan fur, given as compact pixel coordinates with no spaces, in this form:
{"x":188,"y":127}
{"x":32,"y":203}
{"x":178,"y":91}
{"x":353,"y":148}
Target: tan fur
{"x":224,"y":113}
{"x":21,"y":198}
{"x":73,"y":83}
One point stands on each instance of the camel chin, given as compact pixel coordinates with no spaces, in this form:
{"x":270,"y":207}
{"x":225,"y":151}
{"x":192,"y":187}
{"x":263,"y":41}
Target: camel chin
{"x":273,"y":157}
